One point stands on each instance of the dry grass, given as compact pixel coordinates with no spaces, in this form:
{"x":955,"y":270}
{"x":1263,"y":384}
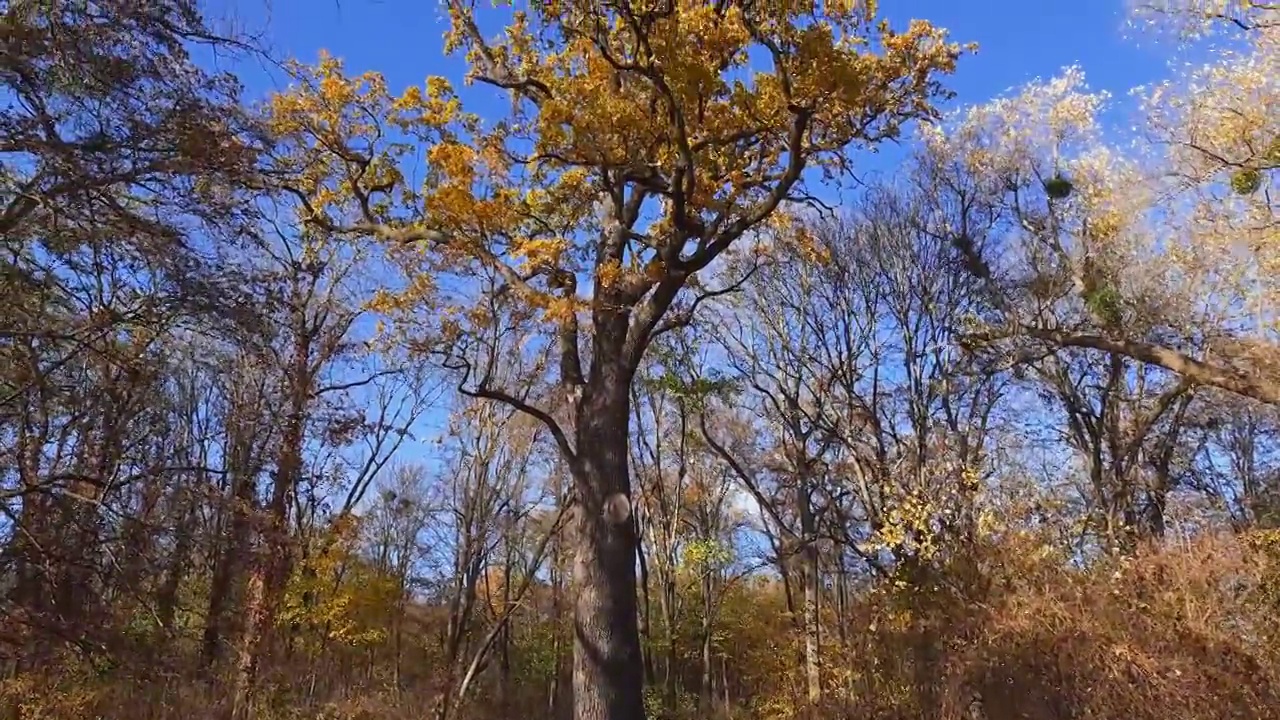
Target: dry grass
{"x":1188,"y":632}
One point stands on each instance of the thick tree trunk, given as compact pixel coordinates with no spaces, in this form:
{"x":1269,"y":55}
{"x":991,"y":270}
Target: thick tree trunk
{"x":608,"y":673}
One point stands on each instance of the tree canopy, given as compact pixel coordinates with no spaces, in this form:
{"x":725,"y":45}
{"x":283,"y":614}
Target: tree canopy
{"x":601,"y":380}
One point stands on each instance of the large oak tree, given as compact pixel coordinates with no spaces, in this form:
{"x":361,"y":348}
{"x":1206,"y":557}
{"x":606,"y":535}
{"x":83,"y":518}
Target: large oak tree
{"x":643,"y":140}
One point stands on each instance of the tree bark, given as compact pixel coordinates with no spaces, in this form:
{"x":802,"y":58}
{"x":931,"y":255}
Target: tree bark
{"x":269,"y":572}
{"x":608,"y":674}
{"x":227,"y":575}
{"x":274,"y":562}
{"x":808,"y":534}
{"x":245,"y":666}
{"x":646,"y":609}
{"x":708,"y":612}
{"x":555,"y":578}
{"x":179,"y":562}
{"x":504,"y":652}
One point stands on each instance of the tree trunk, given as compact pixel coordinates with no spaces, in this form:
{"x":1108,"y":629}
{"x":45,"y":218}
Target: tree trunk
{"x":812,"y":663}
{"x":708,"y":610}
{"x":608,"y":672}
{"x":646,"y":609}
{"x":556,"y":575}
{"x":724,"y":681}
{"x":669,"y":629}
{"x":504,"y":653}
{"x":245,"y":654}
{"x":808,"y":532}
{"x":274,"y":562}
{"x":179,"y":562}
{"x":227,"y":574}
{"x":924,"y":646}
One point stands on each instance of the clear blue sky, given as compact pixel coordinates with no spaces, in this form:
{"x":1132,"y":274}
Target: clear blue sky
{"x":402,"y":39}
{"x":1018,"y":40}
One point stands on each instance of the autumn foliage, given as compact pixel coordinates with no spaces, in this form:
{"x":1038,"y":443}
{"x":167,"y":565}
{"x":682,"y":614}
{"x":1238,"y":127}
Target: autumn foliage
{"x":635,"y":398}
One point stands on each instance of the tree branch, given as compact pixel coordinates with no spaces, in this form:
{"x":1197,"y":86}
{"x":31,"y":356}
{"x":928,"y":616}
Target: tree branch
{"x":1250,"y":385}
{"x":483,"y":391}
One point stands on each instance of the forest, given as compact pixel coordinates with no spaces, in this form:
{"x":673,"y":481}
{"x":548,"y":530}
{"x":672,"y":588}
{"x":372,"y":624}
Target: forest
{"x":628,"y":395}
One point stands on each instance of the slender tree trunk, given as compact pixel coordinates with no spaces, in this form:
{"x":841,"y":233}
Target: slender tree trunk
{"x":842,"y":604}
{"x":553,"y":692}
{"x":274,"y":561}
{"x":504,"y":655}
{"x":179,"y":562}
{"x":646,"y":609}
{"x":227,"y":574}
{"x":842,"y":620}
{"x":608,"y":674}
{"x":669,"y":630}
{"x":397,"y":645}
{"x":461,"y":605}
{"x":812,"y":663}
{"x":245,"y":657}
{"x":708,"y":608}
{"x":724,"y":681}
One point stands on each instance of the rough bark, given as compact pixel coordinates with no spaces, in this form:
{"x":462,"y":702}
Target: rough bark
{"x":245,"y":652}
{"x":608,"y":673}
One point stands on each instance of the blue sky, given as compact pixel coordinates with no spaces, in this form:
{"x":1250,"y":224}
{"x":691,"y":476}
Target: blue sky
{"x":402,"y":40}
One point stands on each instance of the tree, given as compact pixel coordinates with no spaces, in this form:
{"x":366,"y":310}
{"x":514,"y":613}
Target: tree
{"x":116,"y":148}
{"x":490,"y":480}
{"x":682,"y":510}
{"x":117,"y":151}
{"x":1165,"y":254}
{"x":396,"y":522}
{"x":869,"y":427}
{"x":769,"y":341}
{"x":634,"y":155}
